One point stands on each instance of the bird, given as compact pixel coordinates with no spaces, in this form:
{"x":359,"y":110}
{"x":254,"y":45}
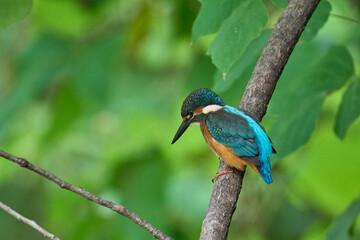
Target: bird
{"x":234,"y":135}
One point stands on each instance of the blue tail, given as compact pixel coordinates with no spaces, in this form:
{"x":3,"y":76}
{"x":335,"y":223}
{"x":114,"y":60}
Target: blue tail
{"x":265,"y":174}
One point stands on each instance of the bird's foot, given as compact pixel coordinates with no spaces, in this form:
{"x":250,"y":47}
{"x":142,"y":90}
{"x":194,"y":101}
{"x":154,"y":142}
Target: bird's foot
{"x":226,"y":171}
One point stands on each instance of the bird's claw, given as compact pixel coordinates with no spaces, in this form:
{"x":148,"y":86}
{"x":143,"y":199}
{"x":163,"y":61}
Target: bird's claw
{"x":226,"y":171}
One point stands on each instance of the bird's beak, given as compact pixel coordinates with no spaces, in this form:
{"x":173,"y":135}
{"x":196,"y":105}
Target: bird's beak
{"x":184,"y":125}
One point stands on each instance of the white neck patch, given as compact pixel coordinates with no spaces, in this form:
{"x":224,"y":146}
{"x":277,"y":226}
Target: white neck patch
{"x":211,"y":108}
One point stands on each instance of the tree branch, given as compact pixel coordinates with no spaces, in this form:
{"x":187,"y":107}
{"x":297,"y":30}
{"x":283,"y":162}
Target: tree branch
{"x":255,"y":100}
{"x":29,"y":222}
{"x":113,"y":206}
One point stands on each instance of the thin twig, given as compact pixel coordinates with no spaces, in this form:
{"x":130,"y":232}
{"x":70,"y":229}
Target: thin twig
{"x":80,"y":191}
{"x":255,"y":100}
{"x":27,"y":221}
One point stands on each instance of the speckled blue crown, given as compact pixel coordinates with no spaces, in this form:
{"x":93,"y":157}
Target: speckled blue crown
{"x":200,"y":98}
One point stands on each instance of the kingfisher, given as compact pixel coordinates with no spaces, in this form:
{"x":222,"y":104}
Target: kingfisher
{"x":234,"y":136}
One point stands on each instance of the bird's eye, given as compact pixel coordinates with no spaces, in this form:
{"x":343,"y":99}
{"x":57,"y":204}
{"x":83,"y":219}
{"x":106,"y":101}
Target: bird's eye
{"x":189,"y":116}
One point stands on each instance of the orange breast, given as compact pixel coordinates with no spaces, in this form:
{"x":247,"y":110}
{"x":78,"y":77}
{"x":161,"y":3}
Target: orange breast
{"x":222,"y":151}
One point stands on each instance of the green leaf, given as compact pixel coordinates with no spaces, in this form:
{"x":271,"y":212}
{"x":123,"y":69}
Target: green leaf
{"x":247,"y":60}
{"x":211,"y":16}
{"x":12,"y":11}
{"x":280,"y":3}
{"x":331,"y":73}
{"x":298,"y":99}
{"x":245,"y":24}
{"x":295,"y":127}
{"x":317,"y":21}
{"x":340,"y":229}
{"x":349,"y":109}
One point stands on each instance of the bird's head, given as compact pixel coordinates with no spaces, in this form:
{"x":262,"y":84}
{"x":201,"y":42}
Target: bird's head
{"x":195,"y":107}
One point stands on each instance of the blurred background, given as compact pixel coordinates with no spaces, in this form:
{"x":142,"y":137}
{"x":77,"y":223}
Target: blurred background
{"x":91,"y":91}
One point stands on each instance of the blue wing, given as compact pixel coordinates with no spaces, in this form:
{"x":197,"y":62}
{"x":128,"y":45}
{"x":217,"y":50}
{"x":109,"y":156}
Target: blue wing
{"x":233,"y":131}
{"x":244,"y":135}
{"x":263,"y":142}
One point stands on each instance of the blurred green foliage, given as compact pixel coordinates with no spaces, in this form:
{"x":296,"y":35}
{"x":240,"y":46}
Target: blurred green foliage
{"x":341,"y":227}
{"x":92,"y":90}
